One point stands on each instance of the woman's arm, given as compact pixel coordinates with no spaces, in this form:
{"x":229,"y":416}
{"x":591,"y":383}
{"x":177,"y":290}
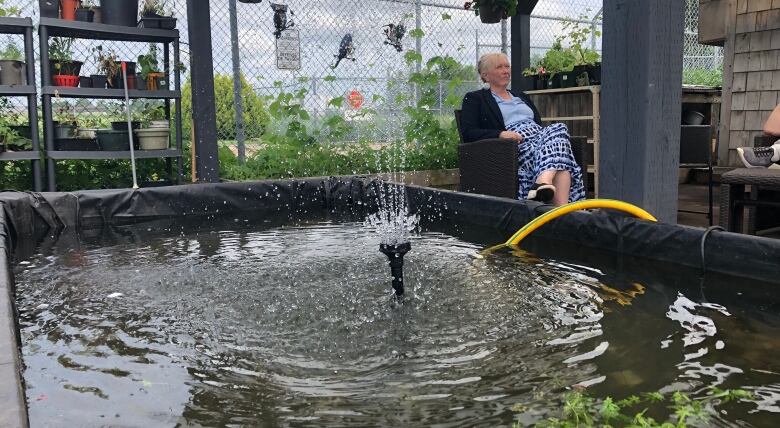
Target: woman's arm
{"x":469,"y":121}
{"x":772,"y":125}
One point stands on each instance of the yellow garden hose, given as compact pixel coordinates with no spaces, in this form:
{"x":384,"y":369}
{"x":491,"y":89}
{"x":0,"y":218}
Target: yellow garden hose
{"x":536,"y":223}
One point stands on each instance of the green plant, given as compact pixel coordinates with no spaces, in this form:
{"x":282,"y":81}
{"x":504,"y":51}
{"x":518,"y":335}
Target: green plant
{"x":87,"y":4}
{"x":577,"y":34}
{"x":66,"y":115}
{"x":677,"y":410}
{"x":11,"y":52}
{"x":152,"y":111}
{"x":61,"y":51}
{"x":508,"y":6}
{"x":153,"y":7}
{"x":148,"y":62}
{"x":703,"y":77}
{"x":558,"y":60}
{"x":106,"y":63}
{"x":255,"y":111}
{"x":8,"y":11}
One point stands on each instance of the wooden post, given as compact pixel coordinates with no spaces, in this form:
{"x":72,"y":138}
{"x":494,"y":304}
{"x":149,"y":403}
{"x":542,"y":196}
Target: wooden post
{"x":641,"y":89}
{"x":521,"y":53}
{"x":204,"y":114}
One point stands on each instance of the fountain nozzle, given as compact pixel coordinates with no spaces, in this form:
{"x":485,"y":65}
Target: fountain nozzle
{"x":395,"y":253}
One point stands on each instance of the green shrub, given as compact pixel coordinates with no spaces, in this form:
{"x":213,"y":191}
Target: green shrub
{"x":703,"y":77}
{"x":256,"y":115}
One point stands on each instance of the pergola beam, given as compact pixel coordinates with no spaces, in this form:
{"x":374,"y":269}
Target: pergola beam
{"x":640,"y":104}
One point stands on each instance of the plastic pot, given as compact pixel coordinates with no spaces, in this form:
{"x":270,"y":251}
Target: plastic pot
{"x":692,"y":117}
{"x":113,"y":141}
{"x":119,"y":12}
{"x":161,"y":22}
{"x":68,"y":9}
{"x":140,"y":82}
{"x":75,"y":144}
{"x":99,"y":81}
{"x":24,"y":131}
{"x":489,"y":15}
{"x":11,"y":72}
{"x":153,"y":138}
{"x":567,"y":79}
{"x":71,"y":68}
{"x":64,"y":131}
{"x":85,"y":15}
{"x":88,"y":133}
{"x":118,"y":80}
{"x":49,"y":8}
{"x":159,"y":124}
{"x":85,"y":82}
{"x":121,"y":125}
{"x":65,"y":80}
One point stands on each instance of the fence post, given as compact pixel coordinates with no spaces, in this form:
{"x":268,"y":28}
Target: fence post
{"x":503,"y":36}
{"x":238,"y":101}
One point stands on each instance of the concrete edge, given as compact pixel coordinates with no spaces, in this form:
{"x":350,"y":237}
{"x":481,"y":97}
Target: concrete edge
{"x":13,"y":412}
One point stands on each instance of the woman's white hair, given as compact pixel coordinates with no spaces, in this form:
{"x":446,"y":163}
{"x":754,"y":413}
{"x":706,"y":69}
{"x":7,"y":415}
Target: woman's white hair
{"x":488,"y":61}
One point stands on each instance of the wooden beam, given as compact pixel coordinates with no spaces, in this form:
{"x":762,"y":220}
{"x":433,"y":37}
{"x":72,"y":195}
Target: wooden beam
{"x":204,"y":116}
{"x":521,"y":49}
{"x":641,"y":90}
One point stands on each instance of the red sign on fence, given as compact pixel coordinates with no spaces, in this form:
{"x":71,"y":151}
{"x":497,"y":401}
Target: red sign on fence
{"x":355,"y":99}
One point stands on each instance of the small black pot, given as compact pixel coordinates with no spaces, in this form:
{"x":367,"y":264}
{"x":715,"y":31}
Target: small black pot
{"x":540,"y":82}
{"x":49,"y":8}
{"x":594,"y":72}
{"x":118,"y":81}
{"x":119,"y":12}
{"x":85,"y":82}
{"x":567,"y":79}
{"x":85,"y":15}
{"x":161,"y":22}
{"x":99,"y":81}
{"x":162,"y":83}
{"x":489,"y":15}
{"x":140,"y":82}
{"x":122,"y":125}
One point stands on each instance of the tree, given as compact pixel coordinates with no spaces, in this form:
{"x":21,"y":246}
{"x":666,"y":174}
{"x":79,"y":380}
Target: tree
{"x":256,"y":117}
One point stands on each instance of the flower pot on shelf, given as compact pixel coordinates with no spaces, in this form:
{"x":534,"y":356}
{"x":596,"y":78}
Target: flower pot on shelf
{"x":157,"y":21}
{"x":153,"y":138}
{"x":85,"y":14}
{"x":594,"y":72}
{"x":121,"y":125}
{"x":540,"y":82}
{"x":68,"y":9}
{"x":156,"y":81}
{"x":118,"y":81}
{"x":49,"y":8}
{"x":88,"y":133}
{"x":85,"y":82}
{"x":112,"y":140}
{"x":567,"y":79}
{"x":99,"y":81}
{"x":72,"y":68}
{"x":65,"y":80}
{"x":119,"y":12}
{"x":12,"y":72}
{"x":163,"y":124}
{"x":64,"y":131}
{"x":140,"y":82}
{"x":489,"y":15}
{"x":75,"y":144}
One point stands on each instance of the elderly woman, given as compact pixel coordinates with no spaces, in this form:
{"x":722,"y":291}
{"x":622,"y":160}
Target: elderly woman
{"x":547,"y":170}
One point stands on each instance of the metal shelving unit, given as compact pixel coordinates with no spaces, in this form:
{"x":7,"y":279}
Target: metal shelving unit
{"x":24,"y":27}
{"x":51,"y":27}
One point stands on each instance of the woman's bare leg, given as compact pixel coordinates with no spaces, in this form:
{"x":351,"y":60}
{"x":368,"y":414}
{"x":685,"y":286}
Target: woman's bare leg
{"x":562,"y":182}
{"x":546,"y":177}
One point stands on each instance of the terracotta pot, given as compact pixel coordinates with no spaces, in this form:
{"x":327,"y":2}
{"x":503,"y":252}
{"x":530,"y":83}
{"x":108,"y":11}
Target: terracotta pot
{"x":68,"y":9}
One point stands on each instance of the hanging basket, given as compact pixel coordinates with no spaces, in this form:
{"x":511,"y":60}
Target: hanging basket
{"x":491,"y":16}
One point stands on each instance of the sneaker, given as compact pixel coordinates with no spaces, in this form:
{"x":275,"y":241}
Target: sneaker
{"x":757,"y":157}
{"x":541,"y":192}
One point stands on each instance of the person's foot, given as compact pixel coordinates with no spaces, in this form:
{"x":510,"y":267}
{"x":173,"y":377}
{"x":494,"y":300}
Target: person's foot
{"x":541,"y":192}
{"x":758,"y":157}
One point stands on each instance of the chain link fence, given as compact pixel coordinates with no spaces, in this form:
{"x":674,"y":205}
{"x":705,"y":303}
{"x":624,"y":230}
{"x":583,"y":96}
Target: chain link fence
{"x":377,"y":68}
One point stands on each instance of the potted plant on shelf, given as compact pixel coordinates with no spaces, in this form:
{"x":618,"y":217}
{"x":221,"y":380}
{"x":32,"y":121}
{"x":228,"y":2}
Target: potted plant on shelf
{"x":492,"y":11}
{"x":107,"y":66}
{"x":63,"y":69}
{"x":66,"y":124}
{"x":558,"y":63}
{"x":156,"y":135}
{"x":85,"y":11}
{"x":150,"y":77}
{"x":68,"y":9}
{"x":49,"y":8}
{"x":153,"y":15}
{"x":11,"y":66}
{"x":587,"y":65}
{"x":119,"y":12}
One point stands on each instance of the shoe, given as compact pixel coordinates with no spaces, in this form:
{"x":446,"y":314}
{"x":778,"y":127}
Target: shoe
{"x":541,"y":192}
{"x":757,"y":157}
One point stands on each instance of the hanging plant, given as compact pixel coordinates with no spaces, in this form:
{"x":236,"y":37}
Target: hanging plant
{"x":280,"y":18}
{"x":492,"y":11}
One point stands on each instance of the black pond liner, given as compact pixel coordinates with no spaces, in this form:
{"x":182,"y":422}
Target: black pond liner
{"x":596,"y":238}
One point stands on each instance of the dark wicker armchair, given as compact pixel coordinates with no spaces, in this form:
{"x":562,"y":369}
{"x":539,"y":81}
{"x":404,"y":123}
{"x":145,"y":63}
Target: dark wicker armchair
{"x":489,"y":166}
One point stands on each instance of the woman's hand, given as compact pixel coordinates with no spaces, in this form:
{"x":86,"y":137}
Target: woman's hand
{"x":511,"y":135}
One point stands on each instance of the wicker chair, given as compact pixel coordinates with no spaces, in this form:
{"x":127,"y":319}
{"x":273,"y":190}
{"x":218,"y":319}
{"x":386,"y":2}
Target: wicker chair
{"x":489,"y":166}
{"x":762,"y":201}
